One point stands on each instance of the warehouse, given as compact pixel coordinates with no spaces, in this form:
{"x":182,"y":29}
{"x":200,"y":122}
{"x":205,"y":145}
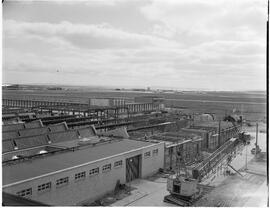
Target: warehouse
{"x":82,"y":174}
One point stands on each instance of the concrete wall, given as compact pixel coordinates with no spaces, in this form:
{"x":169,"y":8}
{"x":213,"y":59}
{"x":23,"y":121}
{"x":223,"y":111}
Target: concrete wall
{"x":100,"y":101}
{"x":204,"y":134}
{"x":189,"y":152}
{"x":210,"y":137}
{"x":91,"y":187}
{"x":153,"y":163}
{"x":213,"y":142}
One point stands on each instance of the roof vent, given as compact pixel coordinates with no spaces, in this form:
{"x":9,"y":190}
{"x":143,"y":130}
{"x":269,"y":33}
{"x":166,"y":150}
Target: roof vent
{"x":14,"y":157}
{"x":43,"y":152}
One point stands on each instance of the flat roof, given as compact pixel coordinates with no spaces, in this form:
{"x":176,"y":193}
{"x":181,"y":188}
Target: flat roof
{"x":214,"y":124}
{"x":25,"y":170}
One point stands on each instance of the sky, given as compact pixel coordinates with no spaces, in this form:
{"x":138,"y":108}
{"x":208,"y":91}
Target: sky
{"x":176,"y":44}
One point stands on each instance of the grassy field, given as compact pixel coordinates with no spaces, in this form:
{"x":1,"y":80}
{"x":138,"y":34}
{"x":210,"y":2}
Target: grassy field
{"x":251,"y":104}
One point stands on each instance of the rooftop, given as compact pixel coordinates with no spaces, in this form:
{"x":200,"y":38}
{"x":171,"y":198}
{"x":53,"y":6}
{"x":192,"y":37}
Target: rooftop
{"x":177,"y":137}
{"x":26,"y":170}
{"x":214,"y":124}
{"x":43,"y":139}
{"x":27,"y":132}
{"x":20,"y":126}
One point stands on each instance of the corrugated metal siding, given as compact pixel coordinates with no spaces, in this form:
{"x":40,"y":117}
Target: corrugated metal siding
{"x":9,"y":135}
{"x":28,"y":142}
{"x":86,"y":132}
{"x":12,"y":127}
{"x":63,"y":136}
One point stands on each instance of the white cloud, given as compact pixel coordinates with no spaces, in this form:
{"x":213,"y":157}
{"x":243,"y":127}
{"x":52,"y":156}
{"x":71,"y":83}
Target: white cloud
{"x":198,"y":21}
{"x":209,"y":44}
{"x":81,"y":35}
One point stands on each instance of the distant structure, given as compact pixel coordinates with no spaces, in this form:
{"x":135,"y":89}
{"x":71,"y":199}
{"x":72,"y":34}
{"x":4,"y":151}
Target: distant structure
{"x":99,"y":107}
{"x":54,"y":88}
{"x":11,"y":87}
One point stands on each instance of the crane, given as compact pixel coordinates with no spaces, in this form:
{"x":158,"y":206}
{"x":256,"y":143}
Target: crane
{"x":185,"y":189}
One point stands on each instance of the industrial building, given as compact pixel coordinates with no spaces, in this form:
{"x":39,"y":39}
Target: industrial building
{"x":186,"y":144}
{"x":98,"y":107}
{"x":74,"y":166}
{"x":214,"y":133}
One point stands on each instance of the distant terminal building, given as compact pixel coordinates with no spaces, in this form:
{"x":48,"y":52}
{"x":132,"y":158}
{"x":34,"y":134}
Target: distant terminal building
{"x":73,"y":167}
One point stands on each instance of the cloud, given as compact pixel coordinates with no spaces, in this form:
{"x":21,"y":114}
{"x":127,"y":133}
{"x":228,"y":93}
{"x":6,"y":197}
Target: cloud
{"x":86,"y":36}
{"x":198,"y":21}
{"x":207,"y":44}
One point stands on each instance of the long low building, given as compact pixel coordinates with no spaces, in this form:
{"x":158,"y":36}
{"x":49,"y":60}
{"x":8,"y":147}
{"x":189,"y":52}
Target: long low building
{"x":83,"y":174}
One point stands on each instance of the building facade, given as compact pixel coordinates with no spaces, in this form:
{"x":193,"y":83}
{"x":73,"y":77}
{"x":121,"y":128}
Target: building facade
{"x":84,"y":175}
{"x":214,"y":133}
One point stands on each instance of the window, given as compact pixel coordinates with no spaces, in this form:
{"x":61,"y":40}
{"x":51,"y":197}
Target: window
{"x":94,"y":171}
{"x":45,"y":186}
{"x":106,"y":168}
{"x":80,"y":175}
{"x":147,"y":154}
{"x":118,"y":164}
{"x":62,"y":181}
{"x":155,"y":152}
{"x":25,"y":192}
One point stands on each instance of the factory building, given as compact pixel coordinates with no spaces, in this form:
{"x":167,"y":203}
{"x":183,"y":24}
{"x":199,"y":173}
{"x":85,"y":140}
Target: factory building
{"x":101,"y":107}
{"x":138,"y":105}
{"x":77,"y":166}
{"x":146,"y":104}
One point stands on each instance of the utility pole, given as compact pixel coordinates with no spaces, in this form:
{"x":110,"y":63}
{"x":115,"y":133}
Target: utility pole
{"x":246,"y":156}
{"x":219,"y":133}
{"x":267,"y":86}
{"x":256,"y":144}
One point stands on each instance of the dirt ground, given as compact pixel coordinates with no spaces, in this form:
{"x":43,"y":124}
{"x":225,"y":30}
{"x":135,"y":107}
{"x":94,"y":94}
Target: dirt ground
{"x":237,"y":191}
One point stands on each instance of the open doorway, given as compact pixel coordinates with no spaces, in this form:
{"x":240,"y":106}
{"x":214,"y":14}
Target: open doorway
{"x":133,"y":168}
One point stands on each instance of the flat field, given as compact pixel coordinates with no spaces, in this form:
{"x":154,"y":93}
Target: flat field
{"x":251,"y":104}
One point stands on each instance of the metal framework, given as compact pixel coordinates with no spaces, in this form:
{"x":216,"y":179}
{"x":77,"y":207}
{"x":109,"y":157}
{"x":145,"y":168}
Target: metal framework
{"x":209,"y":164}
